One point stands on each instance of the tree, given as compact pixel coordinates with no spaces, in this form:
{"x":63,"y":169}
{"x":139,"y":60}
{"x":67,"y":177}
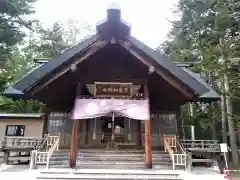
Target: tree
{"x":13,"y":21}
{"x":43,"y":43}
{"x":196,"y":36}
{"x":16,"y":66}
{"x":48,"y":43}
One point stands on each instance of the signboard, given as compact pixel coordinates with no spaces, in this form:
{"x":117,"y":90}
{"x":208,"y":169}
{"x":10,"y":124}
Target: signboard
{"x":223,"y":147}
{"x":105,"y":89}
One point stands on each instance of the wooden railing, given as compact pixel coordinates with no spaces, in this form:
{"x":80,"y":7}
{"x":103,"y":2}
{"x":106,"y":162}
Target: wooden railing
{"x":52,"y":138}
{"x":20,"y":142}
{"x":43,"y":144}
{"x":54,"y":146}
{"x":203,"y":144}
{"x":175,"y":150}
{"x":42,"y":155}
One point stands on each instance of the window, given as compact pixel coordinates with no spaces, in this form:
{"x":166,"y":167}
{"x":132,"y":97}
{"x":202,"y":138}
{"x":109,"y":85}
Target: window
{"x":56,"y":123}
{"x":15,"y":130}
{"x":55,"y":126}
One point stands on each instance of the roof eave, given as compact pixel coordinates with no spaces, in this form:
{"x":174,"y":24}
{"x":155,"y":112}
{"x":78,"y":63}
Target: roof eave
{"x":197,"y":88}
{"x":13,"y":93}
{"x":47,"y":68}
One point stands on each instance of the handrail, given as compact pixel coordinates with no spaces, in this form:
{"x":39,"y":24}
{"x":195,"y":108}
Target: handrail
{"x":171,"y":145}
{"x":40,"y":156}
{"x":41,"y":146}
{"x":180,"y":146}
{"x":54,"y":147}
{"x":168,"y":148}
{"x":51,"y":139}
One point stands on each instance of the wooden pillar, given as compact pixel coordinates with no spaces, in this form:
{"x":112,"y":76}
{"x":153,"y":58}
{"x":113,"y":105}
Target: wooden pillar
{"x":74,"y":138}
{"x":179,"y":124}
{"x":74,"y":144}
{"x":148,"y":151}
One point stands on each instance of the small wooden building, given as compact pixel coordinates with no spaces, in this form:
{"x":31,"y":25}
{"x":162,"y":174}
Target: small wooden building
{"x":21,"y":125}
{"x":112,"y":66}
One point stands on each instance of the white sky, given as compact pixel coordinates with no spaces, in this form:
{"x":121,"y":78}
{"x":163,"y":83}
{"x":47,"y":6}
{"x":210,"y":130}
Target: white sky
{"x":149,"y":18}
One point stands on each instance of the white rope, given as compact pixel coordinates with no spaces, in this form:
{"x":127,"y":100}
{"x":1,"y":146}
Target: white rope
{"x":113,"y":127}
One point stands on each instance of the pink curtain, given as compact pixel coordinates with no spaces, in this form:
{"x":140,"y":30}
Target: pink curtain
{"x":92,"y":108}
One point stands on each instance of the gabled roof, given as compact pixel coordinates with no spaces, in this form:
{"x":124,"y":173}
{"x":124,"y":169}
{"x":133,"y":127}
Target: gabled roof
{"x":171,"y":67}
{"x":45,"y":70}
{"x":211,"y":95}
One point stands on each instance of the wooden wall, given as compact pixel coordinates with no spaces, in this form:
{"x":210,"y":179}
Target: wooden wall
{"x":160,"y":124}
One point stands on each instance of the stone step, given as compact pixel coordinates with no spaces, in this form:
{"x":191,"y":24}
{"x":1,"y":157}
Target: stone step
{"x":110,"y":158}
{"x":97,"y":166}
{"x":111,"y":171}
{"x":110,"y":163}
{"x":112,"y":155}
{"x":131,"y":151}
{"x":107,"y":154}
{"x":119,"y":167}
{"x":108,"y":176}
{"x":103,"y":149}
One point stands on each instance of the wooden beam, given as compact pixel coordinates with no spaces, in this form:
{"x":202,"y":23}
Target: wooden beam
{"x":74,"y":145}
{"x":166,"y":76}
{"x":148,"y":150}
{"x":90,"y":51}
{"x":92,"y":79}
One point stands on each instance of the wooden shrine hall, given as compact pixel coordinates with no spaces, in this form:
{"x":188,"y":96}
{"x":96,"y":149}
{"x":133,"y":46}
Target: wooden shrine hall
{"x":112,"y":80}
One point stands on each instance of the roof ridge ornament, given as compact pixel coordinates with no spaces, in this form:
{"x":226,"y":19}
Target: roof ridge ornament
{"x":114,"y":13}
{"x":113,"y":25}
{"x":114,"y":5}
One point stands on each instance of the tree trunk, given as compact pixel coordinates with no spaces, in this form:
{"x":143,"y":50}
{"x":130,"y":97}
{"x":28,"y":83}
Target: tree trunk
{"x":232,"y":132}
{"x":224,"y":116}
{"x":213,"y":118}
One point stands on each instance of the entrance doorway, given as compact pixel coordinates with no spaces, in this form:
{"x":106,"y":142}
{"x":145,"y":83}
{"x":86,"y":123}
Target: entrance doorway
{"x":112,"y":131}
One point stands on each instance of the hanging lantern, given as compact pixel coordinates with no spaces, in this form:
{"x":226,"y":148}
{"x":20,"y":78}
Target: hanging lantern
{"x":152,"y":116}
{"x":129,"y":130}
